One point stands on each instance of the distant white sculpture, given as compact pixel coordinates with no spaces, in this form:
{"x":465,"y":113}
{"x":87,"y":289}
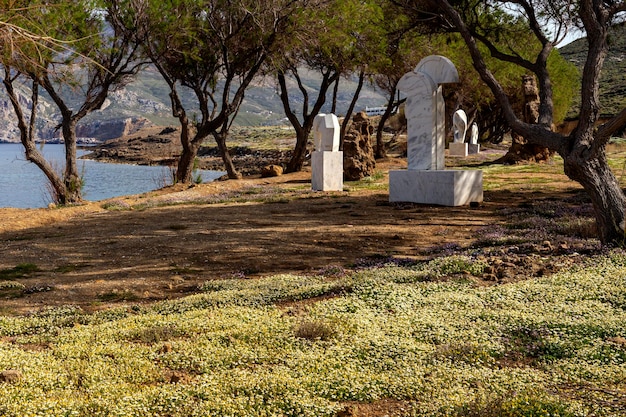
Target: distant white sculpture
{"x":474,"y":146}
{"x":459,"y":127}
{"x":459,"y":123}
{"x":326,"y":160}
{"x":426,"y":180}
{"x":326,"y":132}
{"x":474,"y":134}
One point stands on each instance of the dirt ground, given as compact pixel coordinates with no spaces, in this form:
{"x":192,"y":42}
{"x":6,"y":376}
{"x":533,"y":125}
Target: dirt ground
{"x":93,"y":257}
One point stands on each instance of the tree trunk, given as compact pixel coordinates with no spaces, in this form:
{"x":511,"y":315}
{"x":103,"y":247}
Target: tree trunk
{"x":333,"y":108}
{"x":380,"y":151}
{"x":72,"y":179}
{"x":303,"y":130}
{"x":299,"y":152}
{"x":522,"y":150}
{"x":57,"y":186}
{"x":597,"y":178}
{"x":220,"y":139}
{"x":348,"y":116}
{"x":186,"y":164}
{"x":184,"y":170}
{"x":27,"y":137}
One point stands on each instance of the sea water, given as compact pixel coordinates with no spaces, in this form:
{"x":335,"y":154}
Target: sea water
{"x":23,"y":185}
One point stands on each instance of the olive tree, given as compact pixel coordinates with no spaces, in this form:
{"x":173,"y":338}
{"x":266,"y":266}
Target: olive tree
{"x":584,"y":149}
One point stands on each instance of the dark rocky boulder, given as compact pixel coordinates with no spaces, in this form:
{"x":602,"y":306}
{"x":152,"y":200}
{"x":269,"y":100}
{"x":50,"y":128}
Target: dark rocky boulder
{"x":358,"y":153}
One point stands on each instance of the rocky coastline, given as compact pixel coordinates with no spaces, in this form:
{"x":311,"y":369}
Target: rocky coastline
{"x":161,"y":146}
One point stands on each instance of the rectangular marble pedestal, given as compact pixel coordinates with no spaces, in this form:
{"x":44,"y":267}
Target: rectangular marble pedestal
{"x":457,"y":149}
{"x":439,"y":187}
{"x":327,"y":171}
{"x":473,"y":149}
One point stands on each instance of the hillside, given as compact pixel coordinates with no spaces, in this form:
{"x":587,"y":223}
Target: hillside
{"x":613,"y":80}
{"x":146,"y":101}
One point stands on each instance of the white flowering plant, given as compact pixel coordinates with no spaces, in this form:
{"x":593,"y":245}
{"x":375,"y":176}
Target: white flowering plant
{"x":292,"y":345}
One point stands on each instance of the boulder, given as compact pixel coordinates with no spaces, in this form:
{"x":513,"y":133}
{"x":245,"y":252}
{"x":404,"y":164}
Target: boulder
{"x":271,"y":171}
{"x":358,"y":153}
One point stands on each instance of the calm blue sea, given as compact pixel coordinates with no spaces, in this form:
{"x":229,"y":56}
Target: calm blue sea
{"x":23,"y":185}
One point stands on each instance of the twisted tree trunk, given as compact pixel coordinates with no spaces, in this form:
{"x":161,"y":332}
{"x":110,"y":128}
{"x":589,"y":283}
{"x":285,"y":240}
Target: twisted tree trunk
{"x":591,"y":169}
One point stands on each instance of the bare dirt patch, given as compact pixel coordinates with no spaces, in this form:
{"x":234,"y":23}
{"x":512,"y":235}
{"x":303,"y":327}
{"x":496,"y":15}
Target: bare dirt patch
{"x":173,"y":240}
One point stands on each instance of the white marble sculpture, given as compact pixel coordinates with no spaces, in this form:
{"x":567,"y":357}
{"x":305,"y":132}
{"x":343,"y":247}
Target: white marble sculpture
{"x":459,"y":127}
{"x":459,"y":122}
{"x":426,"y":181}
{"x":326,"y":132}
{"x":474,"y":134}
{"x":473,"y":146}
{"x":425,"y":111}
{"x":326,"y":160}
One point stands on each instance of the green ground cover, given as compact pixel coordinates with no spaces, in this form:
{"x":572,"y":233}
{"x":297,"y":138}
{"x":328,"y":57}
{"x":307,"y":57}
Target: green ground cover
{"x":248,"y":347}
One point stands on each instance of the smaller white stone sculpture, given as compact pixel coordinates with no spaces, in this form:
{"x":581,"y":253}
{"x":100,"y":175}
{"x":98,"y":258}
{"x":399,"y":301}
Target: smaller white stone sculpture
{"x":459,"y":127}
{"x":326,"y":132}
{"x":474,"y":134}
{"x":473,"y":146}
{"x":326,"y":160}
{"x":459,"y":121}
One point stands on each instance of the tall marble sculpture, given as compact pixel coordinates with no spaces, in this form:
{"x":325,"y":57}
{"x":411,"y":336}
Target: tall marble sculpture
{"x":426,"y":180}
{"x":326,"y":160}
{"x":459,"y":127}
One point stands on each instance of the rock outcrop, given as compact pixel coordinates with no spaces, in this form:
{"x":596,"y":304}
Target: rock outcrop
{"x":358,"y":154}
{"x":521,"y":150}
{"x":111,"y":129}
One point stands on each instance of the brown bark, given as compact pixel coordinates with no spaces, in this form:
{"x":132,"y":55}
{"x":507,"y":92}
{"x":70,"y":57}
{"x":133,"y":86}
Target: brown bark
{"x":27,"y":137}
{"x":592,"y":171}
{"x":231,"y":171}
{"x":184,"y":170}
{"x":72,"y":179}
{"x":380,"y":151}
{"x":296,"y":162}
{"x":348,"y":116}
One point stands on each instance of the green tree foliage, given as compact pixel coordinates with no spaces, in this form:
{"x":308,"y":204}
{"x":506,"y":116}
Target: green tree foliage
{"x":214,"y":48}
{"x":334,"y":39}
{"x":500,"y":32}
{"x":473,"y":95}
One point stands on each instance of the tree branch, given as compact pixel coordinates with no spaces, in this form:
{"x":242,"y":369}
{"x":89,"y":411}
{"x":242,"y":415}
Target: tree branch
{"x":606,"y":130}
{"x":538,"y":134}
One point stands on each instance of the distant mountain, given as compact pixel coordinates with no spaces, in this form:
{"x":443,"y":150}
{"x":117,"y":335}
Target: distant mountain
{"x":146,"y":101}
{"x":613,"y":78}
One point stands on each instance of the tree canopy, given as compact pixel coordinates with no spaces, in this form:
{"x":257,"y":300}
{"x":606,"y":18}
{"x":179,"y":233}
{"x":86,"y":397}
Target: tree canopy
{"x":73,"y":51}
